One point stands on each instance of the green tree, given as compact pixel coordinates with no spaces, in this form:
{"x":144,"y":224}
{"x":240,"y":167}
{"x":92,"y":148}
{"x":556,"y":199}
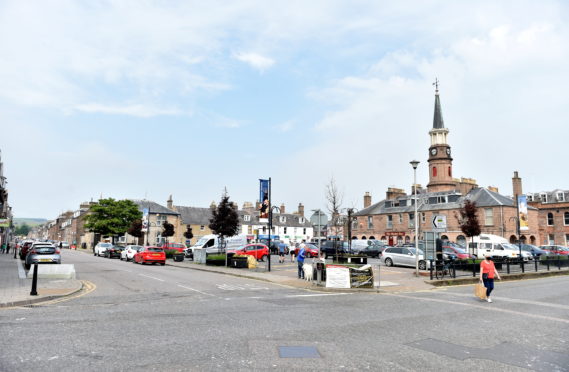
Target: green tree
{"x":22,"y":229}
{"x":224,"y":221}
{"x":168,"y":230}
{"x":110,"y":217}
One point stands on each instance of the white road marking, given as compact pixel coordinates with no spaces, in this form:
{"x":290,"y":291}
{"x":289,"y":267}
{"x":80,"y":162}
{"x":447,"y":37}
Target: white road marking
{"x":487,"y":307}
{"x":195,"y":290}
{"x":513,"y":300}
{"x":21,"y":271}
{"x":151,"y":277}
{"x":53,"y":357}
{"x":319,"y":295}
{"x":244,"y":287}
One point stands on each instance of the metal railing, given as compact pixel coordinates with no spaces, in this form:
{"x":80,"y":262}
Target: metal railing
{"x":471,"y":267}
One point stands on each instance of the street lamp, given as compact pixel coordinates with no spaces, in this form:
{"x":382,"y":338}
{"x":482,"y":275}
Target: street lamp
{"x":318,"y":213}
{"x":414,"y":164}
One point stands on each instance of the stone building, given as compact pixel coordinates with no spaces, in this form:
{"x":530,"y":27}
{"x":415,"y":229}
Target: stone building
{"x":553,"y":209}
{"x":393,"y":219}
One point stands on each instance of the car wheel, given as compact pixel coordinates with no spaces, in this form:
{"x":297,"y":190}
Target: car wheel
{"x":388,"y":262}
{"x":27,"y":266}
{"x":422,"y":265}
{"x":94,"y":253}
{"x":263,"y":258}
{"x":162,"y":263}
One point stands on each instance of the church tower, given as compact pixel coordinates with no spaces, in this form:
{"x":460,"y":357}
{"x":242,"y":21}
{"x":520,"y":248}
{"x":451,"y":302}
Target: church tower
{"x":440,"y":161}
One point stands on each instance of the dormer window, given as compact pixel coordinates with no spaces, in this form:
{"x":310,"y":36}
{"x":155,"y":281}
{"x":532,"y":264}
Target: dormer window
{"x":560,"y":196}
{"x":282,"y":219}
{"x":530,"y":197}
{"x":247,"y":218}
{"x":543,"y":198}
{"x":301,"y":219}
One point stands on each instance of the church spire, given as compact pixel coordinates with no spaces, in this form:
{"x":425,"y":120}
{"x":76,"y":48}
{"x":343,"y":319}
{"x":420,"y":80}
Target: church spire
{"x":438,"y":118}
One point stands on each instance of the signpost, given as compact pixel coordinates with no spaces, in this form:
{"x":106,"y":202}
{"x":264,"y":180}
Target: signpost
{"x":439,"y":223}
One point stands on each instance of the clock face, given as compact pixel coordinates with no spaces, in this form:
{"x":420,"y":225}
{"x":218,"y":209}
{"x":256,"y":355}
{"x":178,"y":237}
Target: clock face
{"x":433,"y":151}
{"x":448,"y":150}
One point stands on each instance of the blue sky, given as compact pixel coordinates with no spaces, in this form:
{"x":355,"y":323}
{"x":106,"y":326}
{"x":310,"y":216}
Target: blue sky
{"x":134,"y":99}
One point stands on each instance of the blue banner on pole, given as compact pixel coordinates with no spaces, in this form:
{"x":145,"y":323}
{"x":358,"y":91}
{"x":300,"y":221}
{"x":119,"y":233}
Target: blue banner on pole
{"x":264,"y":199}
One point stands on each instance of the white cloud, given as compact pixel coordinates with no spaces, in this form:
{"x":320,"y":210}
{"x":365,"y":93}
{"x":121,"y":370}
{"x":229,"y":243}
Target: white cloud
{"x":256,"y":61}
{"x":138,"y":110}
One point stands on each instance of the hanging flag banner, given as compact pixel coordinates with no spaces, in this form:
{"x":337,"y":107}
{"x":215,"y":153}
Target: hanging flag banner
{"x":523,"y":212}
{"x":264,"y":199}
{"x":144,"y":220}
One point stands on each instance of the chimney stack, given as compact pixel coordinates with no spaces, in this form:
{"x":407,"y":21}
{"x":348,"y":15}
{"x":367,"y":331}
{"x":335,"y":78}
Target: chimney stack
{"x":393,"y":193}
{"x":517,"y":184}
{"x":282,"y":208}
{"x":170,"y":203}
{"x":301,"y":209}
{"x":367,"y":199}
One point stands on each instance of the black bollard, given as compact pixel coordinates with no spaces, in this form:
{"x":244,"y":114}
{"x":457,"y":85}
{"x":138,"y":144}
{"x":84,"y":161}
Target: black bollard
{"x":34,"y":291}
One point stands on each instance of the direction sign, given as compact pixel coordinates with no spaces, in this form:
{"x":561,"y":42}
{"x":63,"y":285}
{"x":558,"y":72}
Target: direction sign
{"x":439,"y":223}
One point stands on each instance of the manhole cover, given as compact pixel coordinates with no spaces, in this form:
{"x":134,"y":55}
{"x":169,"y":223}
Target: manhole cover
{"x":298,"y":352}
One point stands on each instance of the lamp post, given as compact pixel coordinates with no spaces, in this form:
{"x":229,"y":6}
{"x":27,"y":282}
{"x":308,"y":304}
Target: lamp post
{"x":414,"y":164}
{"x":318,"y":213}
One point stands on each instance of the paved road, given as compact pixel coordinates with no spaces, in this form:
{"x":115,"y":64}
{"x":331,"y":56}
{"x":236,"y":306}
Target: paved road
{"x":154,"y":318}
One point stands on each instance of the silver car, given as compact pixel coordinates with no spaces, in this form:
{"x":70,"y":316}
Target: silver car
{"x":42,"y":253}
{"x":403,"y":256}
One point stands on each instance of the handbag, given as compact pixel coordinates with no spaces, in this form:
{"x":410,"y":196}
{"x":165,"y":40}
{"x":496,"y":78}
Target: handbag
{"x":480,"y":291}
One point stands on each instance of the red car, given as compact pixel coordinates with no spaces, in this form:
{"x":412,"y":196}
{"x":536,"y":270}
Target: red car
{"x":460,"y":253}
{"x":177,"y":246}
{"x":150,"y":255}
{"x":311,"y":250}
{"x":259,"y":251}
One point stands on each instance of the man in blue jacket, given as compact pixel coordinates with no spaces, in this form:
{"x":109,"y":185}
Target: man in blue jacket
{"x":300,"y":259}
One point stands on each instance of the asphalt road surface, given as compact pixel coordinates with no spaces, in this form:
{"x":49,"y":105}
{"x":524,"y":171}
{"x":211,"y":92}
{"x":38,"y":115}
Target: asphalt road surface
{"x":154,"y":318}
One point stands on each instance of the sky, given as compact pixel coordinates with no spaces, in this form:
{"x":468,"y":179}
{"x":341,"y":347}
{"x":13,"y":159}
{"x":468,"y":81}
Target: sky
{"x":146,"y":99}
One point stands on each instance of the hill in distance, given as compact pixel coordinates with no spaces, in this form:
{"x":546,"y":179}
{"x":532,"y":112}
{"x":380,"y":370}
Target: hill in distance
{"x":29,"y":221}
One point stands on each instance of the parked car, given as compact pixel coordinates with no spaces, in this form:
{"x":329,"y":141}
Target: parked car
{"x":555,"y":249}
{"x":177,"y":246}
{"x":460,"y":253}
{"x":403,"y":256}
{"x":150,"y":255}
{"x":24,"y":248}
{"x":330,"y":247}
{"x":533,"y":250}
{"x":114,"y":251}
{"x":275,"y":247}
{"x":373,"y":250}
{"x":259,"y":251}
{"x":129,"y":251}
{"x":311,"y":250}
{"x":41,"y":252}
{"x":64,"y":245}
{"x":100,"y":248}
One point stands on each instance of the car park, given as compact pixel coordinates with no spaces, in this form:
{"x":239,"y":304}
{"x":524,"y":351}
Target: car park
{"x":555,"y":249}
{"x":100,"y":248}
{"x":259,"y":251}
{"x":510,"y":251}
{"x":129,"y":251}
{"x":330,"y":248}
{"x":460,"y":253}
{"x":402,"y":256}
{"x":150,"y":255}
{"x":114,"y":251}
{"x":533,"y":250}
{"x":372,"y":250}
{"x":42,"y":253}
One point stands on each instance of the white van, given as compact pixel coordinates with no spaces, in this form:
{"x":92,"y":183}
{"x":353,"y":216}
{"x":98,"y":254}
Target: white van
{"x":496,"y":245}
{"x":211,"y":244}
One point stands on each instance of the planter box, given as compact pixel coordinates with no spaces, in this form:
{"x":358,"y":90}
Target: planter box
{"x":179,"y":257}
{"x":215,"y":262}
{"x":239,"y":262}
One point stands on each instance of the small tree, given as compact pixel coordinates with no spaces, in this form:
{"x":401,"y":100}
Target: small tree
{"x":189,"y":234}
{"x":112,"y":217}
{"x":168,"y":230}
{"x":469,"y":219}
{"x":22,"y":229}
{"x":224,"y":221}
{"x":136,"y":229}
{"x":334,"y":197}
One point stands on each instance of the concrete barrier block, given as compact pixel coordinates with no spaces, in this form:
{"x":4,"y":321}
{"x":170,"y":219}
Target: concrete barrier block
{"x":62,"y":271}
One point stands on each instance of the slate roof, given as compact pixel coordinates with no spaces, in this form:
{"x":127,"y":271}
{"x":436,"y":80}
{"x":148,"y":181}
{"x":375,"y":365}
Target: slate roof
{"x":552,"y":196}
{"x":438,"y":117}
{"x":194,"y":215}
{"x":482,"y":196}
{"x":153,"y":207}
{"x":292,"y":220}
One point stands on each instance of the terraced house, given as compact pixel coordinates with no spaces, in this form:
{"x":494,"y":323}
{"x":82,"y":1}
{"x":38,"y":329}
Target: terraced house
{"x":553,"y":209}
{"x":393,"y":219}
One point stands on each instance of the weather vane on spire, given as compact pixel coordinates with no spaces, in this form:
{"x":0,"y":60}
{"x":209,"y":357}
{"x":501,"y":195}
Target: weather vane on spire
{"x":436,"y":84}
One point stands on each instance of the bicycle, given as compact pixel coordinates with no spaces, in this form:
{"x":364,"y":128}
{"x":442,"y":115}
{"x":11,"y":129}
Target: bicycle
{"x":442,"y":269}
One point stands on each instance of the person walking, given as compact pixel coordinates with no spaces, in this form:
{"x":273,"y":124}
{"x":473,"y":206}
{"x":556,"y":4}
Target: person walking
{"x":282,"y":252}
{"x":3,"y":248}
{"x":487,"y":273}
{"x":300,"y":259}
{"x":7,"y":247}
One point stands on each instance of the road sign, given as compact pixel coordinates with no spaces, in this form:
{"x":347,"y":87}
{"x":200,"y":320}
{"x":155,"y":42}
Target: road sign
{"x":439,"y":223}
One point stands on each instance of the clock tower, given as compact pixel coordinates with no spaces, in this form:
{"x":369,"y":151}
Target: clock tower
{"x":440,"y":160}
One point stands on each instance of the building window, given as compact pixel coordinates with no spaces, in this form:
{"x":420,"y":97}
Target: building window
{"x":411,"y":219}
{"x":550,"y":219}
{"x":566,"y":218}
{"x":246,"y":218}
{"x":284,"y":230}
{"x":370,"y":222}
{"x":282,"y":219}
{"x":400,"y":218}
{"x":449,"y":172}
{"x":551,"y":239}
{"x":566,"y":239}
{"x":304,"y":231}
{"x":423,"y":217}
{"x":202,"y":228}
{"x":159,"y":238}
{"x":560,"y":196}
{"x":434,"y":171}
{"x":488,"y":216}
{"x":355,"y":224}
{"x":160,"y":219}
{"x":301,"y":220}
{"x":530,"y":197}
{"x":543,"y":198}
{"x":389,"y":221}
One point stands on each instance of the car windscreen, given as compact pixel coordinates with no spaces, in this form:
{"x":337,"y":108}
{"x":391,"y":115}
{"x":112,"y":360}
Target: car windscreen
{"x":135,"y":247}
{"x":105,"y":245}
{"x":155,"y":250}
{"x":176,"y":245}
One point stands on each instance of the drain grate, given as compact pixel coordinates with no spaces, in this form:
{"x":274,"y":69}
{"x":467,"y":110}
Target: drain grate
{"x":298,"y":352}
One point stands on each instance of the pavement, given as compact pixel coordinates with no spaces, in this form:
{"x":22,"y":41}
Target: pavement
{"x":15,"y":288}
